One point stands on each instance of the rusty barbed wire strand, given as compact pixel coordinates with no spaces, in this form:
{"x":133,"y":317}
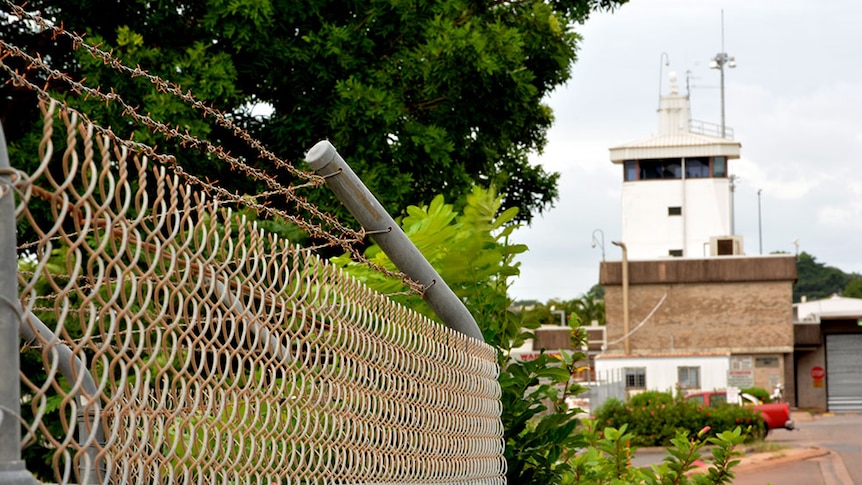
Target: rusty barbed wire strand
{"x":187,"y":140}
{"x":347,"y":243}
{"x":162,"y":85}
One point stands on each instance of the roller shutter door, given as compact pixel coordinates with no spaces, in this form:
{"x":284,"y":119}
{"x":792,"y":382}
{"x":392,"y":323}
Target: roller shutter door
{"x":844,"y":372}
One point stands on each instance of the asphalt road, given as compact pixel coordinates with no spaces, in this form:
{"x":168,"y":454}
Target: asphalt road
{"x":840,"y":462}
{"x":840,"y":434}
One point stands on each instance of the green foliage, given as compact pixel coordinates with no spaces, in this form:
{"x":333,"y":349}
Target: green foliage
{"x":853,"y":289}
{"x":654,"y":418}
{"x":579,"y":311}
{"x":422,"y":97}
{"x":470,"y":251}
{"x":607,"y":460}
{"x":758,"y":392}
{"x":816,"y":280}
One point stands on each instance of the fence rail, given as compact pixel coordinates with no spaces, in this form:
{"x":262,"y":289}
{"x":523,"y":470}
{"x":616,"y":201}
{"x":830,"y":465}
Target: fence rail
{"x":166,"y":338}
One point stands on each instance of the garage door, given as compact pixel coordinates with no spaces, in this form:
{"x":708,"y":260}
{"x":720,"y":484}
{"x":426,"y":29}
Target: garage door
{"x":844,"y":372}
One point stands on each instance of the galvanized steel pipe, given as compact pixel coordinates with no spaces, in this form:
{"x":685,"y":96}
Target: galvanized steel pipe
{"x":12,"y":467}
{"x":325,"y":160}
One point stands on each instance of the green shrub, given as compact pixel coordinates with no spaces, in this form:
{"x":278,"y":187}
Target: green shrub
{"x":654,"y":418}
{"x":759,"y":393}
{"x":607,"y":459}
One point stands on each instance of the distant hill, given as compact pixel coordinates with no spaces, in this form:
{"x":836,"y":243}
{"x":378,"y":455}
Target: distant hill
{"x":816,"y":280}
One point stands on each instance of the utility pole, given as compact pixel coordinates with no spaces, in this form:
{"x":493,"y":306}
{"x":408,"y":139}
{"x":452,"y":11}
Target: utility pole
{"x":622,"y":246}
{"x":759,"y":227}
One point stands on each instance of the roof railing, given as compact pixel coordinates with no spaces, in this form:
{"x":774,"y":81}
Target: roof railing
{"x":709,"y":129}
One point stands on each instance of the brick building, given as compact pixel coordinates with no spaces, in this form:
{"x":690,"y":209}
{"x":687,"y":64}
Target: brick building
{"x":701,"y":314}
{"x":701,"y":323}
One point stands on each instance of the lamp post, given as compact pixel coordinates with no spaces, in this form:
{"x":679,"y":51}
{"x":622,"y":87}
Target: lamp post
{"x":562,"y":316}
{"x":759,"y":226}
{"x":622,"y":246}
{"x":718,"y":62}
{"x":599,"y":241}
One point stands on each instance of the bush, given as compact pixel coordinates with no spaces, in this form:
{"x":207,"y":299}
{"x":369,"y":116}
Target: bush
{"x":654,"y":418}
{"x":759,"y":393}
{"x":607,"y":459}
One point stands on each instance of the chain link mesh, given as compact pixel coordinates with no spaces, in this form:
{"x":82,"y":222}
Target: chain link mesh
{"x":179,"y":343}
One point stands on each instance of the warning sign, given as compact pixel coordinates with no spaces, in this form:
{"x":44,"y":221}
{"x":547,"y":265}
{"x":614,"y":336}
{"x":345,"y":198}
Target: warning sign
{"x":741,"y":378}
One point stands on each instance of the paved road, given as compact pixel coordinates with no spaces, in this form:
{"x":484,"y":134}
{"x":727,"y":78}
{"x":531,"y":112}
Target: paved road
{"x":840,"y":434}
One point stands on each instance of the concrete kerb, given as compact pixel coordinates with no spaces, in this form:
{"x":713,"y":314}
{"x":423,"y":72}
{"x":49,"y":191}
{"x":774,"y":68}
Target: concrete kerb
{"x":756,"y":461}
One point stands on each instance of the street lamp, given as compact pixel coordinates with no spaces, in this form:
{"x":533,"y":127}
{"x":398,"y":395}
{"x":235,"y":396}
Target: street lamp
{"x":562,"y":316}
{"x":599,"y":241}
{"x":759,"y":226}
{"x":622,"y":246}
{"x":718,"y":62}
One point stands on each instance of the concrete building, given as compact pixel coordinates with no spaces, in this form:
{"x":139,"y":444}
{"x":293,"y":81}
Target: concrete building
{"x":828,"y":354}
{"x":685,"y":307}
{"x":677,"y":189}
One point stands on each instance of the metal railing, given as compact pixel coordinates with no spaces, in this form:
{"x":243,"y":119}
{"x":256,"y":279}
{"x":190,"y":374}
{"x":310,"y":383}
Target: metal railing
{"x":709,"y":129}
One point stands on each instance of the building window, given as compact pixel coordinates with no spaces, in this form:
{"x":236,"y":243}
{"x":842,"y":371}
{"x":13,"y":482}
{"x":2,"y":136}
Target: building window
{"x":675,"y":253}
{"x":674,"y":211}
{"x":630,"y":170}
{"x":719,"y":167}
{"x":635,"y":377}
{"x":697,"y":168}
{"x":663,"y":168}
{"x":688,"y":377}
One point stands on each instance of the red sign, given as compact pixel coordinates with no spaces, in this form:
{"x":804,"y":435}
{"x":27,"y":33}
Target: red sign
{"x":817,"y":373}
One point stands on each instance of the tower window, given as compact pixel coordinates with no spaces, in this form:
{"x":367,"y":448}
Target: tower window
{"x":663,"y":168}
{"x":630,"y":170}
{"x":719,"y":167}
{"x":674,"y":211}
{"x":697,"y":168}
{"x":676,"y":253}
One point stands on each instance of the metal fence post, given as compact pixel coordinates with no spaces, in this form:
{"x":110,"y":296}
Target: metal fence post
{"x":13,"y":470}
{"x":325,"y":160}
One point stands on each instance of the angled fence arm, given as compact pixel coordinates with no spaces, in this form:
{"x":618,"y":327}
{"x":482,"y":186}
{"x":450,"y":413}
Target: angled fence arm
{"x":325,"y":160}
{"x":13,"y":470}
{"x":89,"y":408}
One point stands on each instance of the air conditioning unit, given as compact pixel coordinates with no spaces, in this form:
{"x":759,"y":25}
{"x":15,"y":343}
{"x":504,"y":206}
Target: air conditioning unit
{"x":725,"y":246}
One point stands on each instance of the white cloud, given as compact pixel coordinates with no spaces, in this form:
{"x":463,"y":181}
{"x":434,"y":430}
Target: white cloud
{"x":794,"y":101}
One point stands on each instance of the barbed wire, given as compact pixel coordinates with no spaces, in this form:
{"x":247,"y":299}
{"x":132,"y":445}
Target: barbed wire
{"x":163,"y":86}
{"x":348,"y":239}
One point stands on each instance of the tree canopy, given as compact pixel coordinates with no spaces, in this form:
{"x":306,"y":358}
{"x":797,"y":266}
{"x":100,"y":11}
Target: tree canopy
{"x":422,"y":98}
{"x":816,"y":280}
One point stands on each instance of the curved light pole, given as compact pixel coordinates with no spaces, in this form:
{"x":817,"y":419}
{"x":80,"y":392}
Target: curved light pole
{"x":622,"y":246}
{"x":599,"y":241}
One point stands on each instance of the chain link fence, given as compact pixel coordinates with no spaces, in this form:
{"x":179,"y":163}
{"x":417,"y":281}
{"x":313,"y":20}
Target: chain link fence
{"x":167,"y":338}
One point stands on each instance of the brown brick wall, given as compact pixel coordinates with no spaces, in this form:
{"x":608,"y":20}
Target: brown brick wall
{"x":739,"y":317}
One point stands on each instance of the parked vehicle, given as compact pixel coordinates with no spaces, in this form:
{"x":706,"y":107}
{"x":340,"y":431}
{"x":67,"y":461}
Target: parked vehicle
{"x":775,"y":415}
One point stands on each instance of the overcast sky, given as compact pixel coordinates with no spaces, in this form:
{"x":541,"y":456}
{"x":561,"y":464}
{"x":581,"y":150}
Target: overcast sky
{"x":794,"y":102}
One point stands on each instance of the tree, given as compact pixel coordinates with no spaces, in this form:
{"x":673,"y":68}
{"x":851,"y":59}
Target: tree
{"x":816,"y":280}
{"x":853,"y":289}
{"x":422,"y":97}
